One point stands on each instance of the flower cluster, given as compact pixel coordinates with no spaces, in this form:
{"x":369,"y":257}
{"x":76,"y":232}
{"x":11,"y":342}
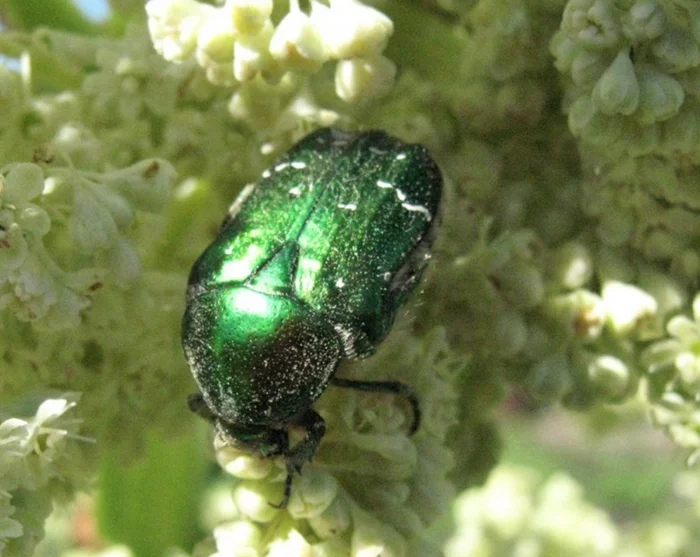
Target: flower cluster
{"x":239,"y":45}
{"x":632,"y":66}
{"x":517,"y":513}
{"x":40,"y":458}
{"x":674,"y":380}
{"x":33,"y":285}
{"x":633,"y":103}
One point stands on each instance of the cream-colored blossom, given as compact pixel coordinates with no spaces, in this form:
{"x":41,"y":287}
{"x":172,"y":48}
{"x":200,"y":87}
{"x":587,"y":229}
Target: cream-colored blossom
{"x":297,"y":43}
{"x":362,"y":78}
{"x":35,"y":453}
{"x":237,"y":42}
{"x":175,"y":25}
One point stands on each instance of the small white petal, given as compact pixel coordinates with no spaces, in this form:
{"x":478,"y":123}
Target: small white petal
{"x":298,"y":43}
{"x":362,"y":78}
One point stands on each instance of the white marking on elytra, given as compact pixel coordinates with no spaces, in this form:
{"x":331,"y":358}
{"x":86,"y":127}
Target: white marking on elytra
{"x":418,"y":209}
{"x":281,"y":166}
{"x":295,"y":191}
{"x":298,"y":165}
{"x":401,"y":156}
{"x":387,"y":276}
{"x":401,"y":196}
{"x":347,"y":206}
{"x":266,"y":173}
{"x":340,"y":283}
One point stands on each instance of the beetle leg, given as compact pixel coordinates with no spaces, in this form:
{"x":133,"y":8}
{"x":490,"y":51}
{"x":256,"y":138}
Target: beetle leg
{"x":394,"y":387}
{"x":196,"y":404}
{"x":314,"y":428}
{"x":287,"y":493}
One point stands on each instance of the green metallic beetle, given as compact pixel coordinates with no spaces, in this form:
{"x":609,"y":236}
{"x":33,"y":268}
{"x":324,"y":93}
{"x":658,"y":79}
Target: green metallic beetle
{"x":310,"y":268}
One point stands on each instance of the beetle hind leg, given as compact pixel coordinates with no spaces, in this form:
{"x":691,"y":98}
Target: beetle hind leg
{"x":393,"y":387}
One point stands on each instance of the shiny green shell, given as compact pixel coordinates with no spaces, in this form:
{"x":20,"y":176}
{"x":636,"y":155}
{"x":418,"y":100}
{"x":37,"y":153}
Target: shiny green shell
{"x":309,"y":269}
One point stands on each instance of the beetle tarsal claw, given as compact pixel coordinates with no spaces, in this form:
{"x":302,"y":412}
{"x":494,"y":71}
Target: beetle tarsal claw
{"x":287,"y":493}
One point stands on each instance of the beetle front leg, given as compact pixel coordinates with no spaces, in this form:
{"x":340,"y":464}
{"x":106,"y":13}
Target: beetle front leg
{"x":314,"y":428}
{"x":393,"y":387}
{"x":304,"y":451}
{"x":196,"y":404}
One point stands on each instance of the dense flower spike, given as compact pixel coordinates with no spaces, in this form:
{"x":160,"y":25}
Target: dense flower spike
{"x":630,"y":69}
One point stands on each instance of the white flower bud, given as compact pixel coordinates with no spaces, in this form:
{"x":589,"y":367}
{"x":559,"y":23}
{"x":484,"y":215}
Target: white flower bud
{"x":646,"y":20}
{"x":252,"y":499}
{"x":249,"y":16}
{"x":610,"y":376}
{"x":220,"y":74}
{"x":13,"y":249}
{"x":677,"y":49}
{"x":35,"y":220}
{"x":174,"y":26}
{"x":661,"y":97}
{"x":215,"y":39}
{"x":364,"y":78}
{"x":293,"y":545}
{"x":298,"y":43}
{"x":146,"y":184}
{"x":688,"y":365}
{"x":241,"y":464}
{"x":372,"y":538}
{"x":121,"y":210}
{"x":628,"y":307}
{"x":249,"y":104}
{"x":32,"y":290}
{"x":333,"y":521}
{"x":550,"y":379}
{"x":234,"y":538}
{"x":617,"y":91}
{"x":314,"y":492}
{"x":352,"y":30}
{"x":125,"y":262}
{"x":92,"y":225}
{"x":251,"y":53}
{"x":572,"y":265}
{"x":23,"y":182}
